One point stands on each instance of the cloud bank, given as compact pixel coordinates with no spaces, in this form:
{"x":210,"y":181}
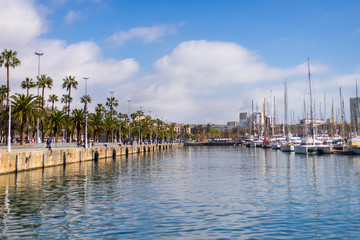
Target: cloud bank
{"x":199,"y":81}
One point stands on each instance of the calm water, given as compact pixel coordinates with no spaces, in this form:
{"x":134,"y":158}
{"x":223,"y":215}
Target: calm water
{"x":189,"y":193}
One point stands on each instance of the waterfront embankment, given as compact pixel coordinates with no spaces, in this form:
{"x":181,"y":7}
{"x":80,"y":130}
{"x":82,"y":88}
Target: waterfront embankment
{"x":32,"y":158}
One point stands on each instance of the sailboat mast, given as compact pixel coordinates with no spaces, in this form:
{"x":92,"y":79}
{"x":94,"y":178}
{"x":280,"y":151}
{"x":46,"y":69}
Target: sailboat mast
{"x":342,"y":114}
{"x":332,"y":118}
{"x":265,"y":125}
{"x":273,"y":122}
{"x":286,"y":109}
{"x":311,"y":104}
{"x":357,"y":111}
{"x":252,"y":117}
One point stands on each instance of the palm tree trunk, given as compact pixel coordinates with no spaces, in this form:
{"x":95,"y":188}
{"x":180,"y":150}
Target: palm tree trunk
{"x":56,"y":136}
{"x":42,"y":100}
{"x":69,"y":101}
{"x":22,"y":135}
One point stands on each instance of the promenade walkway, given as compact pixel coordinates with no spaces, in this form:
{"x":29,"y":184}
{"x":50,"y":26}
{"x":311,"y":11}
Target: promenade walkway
{"x":15,"y":147}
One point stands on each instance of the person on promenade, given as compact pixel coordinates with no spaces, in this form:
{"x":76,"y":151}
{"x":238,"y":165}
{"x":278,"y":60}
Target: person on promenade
{"x":48,"y":143}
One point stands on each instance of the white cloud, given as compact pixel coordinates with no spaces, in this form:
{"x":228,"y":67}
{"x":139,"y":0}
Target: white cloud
{"x":60,"y":59}
{"x":198,"y":81}
{"x":212,"y":81}
{"x":147,"y":34}
{"x":72,"y":16}
{"x":19,"y":22}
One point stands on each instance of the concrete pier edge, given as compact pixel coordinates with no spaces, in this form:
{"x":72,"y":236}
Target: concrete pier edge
{"x":23,"y":160}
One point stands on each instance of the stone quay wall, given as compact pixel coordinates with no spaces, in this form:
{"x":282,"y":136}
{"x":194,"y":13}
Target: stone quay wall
{"x":23,"y":160}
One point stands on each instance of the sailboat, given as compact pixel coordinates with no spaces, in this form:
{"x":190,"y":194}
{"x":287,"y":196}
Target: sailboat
{"x":311,"y":145}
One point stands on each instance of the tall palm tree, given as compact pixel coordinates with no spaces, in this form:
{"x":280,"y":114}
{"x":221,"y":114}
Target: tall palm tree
{"x":27,"y":84}
{"x":57,"y":120}
{"x":85,"y":99}
{"x":53,"y":98}
{"x":69,"y":82}
{"x":9,"y":59}
{"x":25,"y":110}
{"x":111,"y":103}
{"x":44,"y":81}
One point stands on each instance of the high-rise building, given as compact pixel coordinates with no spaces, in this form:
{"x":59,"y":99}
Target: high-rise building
{"x":244,"y":120}
{"x":354,"y":110}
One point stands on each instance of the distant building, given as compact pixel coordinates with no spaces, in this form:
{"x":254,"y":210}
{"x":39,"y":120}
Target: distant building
{"x":220,"y":127}
{"x":354,"y":110}
{"x":308,"y":121}
{"x":244,"y":120}
{"x":232,"y":124}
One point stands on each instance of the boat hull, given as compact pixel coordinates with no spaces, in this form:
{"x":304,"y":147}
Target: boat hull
{"x":319,"y":149}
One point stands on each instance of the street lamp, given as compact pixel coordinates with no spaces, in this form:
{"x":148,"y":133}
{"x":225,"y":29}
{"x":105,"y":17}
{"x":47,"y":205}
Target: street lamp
{"x":120,"y":117}
{"x":140,"y":125}
{"x":112,"y":130}
{"x":157,"y":128}
{"x":129,"y":121}
{"x":37,"y":120}
{"x":86,"y":115}
{"x":9,"y":128}
{"x":151,"y":127}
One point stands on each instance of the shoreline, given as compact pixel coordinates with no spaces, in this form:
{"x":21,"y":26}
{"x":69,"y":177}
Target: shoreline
{"x":25,"y":158}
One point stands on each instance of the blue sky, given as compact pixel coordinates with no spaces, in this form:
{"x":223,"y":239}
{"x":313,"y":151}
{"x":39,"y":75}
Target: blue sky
{"x":188,"y":61}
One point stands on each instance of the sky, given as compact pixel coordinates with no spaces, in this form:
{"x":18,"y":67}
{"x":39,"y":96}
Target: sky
{"x":189,"y":61}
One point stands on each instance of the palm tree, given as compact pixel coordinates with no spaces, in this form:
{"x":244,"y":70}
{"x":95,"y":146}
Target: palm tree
{"x":53,"y":98}
{"x":109,"y":125}
{"x":57,"y":120}
{"x":69,"y":82}
{"x":44,"y":81}
{"x":9,"y":59}
{"x":111,"y":103}
{"x":3,"y":91}
{"x":77,"y":120}
{"x":96,"y":124}
{"x":66,"y":99}
{"x":100,"y":109}
{"x":27,"y":84}
{"x":85,"y":99}
{"x":25,"y":109}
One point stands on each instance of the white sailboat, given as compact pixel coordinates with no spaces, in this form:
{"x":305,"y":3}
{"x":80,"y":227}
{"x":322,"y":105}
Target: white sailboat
{"x":311,"y":145}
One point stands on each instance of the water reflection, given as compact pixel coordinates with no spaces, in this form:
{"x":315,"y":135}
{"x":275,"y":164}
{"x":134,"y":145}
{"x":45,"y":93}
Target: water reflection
{"x":196,"y":192}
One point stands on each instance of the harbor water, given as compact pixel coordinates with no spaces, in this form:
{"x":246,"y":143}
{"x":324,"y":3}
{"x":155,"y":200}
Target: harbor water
{"x":187,"y":193}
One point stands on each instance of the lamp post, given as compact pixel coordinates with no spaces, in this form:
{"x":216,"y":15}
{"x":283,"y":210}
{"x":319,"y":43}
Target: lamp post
{"x":9,"y":127}
{"x":150,"y":128}
{"x":157,"y":128}
{"x":37,"y":120}
{"x":112,"y":130}
{"x":129,"y":121}
{"x":120,"y":117}
{"x":140,"y":125}
{"x":86,"y":115}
